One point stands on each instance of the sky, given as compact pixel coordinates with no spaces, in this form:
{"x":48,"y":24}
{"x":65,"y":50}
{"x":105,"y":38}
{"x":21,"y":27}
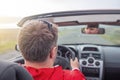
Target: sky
{"x":10,"y":9}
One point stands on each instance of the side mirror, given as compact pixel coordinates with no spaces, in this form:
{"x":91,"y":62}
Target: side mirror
{"x":17,"y":48}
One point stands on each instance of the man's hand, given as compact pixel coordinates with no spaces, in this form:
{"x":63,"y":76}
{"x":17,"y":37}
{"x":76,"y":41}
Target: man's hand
{"x":75,"y":63}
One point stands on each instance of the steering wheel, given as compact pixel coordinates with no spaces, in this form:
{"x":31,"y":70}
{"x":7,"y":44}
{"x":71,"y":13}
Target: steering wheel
{"x":62,"y":59}
{"x":64,"y":56}
{"x":66,"y":50}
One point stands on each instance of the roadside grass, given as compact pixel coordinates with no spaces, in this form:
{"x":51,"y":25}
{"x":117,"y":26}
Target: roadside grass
{"x":113,"y":37}
{"x":8,"y":39}
{"x":7,"y":46}
{"x":63,"y":31}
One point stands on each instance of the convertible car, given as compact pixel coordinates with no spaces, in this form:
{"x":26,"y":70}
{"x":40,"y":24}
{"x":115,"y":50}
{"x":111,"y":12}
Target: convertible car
{"x":93,"y":36}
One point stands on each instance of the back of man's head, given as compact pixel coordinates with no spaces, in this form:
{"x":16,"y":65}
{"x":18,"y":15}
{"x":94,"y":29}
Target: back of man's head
{"x":36,"y":38}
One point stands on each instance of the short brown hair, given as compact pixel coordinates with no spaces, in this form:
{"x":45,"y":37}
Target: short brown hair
{"x":36,"y":38}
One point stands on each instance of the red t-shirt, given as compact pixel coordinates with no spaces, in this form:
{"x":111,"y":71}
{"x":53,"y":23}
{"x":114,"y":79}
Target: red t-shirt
{"x":56,"y":73}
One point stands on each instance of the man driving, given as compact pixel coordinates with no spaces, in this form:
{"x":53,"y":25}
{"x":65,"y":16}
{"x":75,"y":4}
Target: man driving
{"x":37,"y":41}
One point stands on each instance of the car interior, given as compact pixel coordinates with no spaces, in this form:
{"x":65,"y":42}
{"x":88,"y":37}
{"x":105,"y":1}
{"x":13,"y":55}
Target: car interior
{"x":99,"y":59}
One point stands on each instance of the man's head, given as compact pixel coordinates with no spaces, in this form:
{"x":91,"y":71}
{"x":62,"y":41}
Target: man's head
{"x":36,"y":40}
{"x":92,"y":29}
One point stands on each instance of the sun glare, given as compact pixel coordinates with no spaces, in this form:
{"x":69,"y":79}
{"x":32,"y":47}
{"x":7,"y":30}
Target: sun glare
{"x":8,"y":26}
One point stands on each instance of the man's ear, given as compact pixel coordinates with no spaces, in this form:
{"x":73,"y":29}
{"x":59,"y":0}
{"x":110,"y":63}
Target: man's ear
{"x":53,"y":52}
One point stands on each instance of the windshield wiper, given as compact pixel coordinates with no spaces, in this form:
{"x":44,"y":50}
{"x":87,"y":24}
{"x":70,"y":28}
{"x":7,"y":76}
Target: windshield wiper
{"x":112,"y":45}
{"x":75,"y":44}
{"x":118,"y":45}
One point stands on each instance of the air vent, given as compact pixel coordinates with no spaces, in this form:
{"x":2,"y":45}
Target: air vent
{"x":96,"y":56}
{"x":85,"y":55}
{"x":90,"y":49}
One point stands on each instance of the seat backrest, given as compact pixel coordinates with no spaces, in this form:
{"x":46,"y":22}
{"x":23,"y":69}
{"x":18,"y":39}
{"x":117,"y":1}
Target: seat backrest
{"x":13,"y":71}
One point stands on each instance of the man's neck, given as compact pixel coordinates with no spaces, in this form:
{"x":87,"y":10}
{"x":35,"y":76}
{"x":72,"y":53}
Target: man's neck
{"x":46,"y":64}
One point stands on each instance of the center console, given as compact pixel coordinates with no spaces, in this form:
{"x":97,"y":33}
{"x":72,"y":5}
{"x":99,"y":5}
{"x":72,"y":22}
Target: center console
{"x":91,"y":61}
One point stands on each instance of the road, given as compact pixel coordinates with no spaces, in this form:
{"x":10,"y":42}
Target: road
{"x":9,"y":55}
{"x":76,"y":37}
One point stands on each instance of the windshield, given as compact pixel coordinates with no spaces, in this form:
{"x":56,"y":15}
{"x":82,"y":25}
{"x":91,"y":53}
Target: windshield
{"x":73,"y":35}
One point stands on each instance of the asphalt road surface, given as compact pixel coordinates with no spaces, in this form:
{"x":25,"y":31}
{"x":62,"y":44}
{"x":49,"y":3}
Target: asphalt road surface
{"x":9,"y":55}
{"x":82,"y":38}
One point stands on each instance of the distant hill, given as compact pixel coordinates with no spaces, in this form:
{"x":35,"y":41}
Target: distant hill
{"x":9,"y":31}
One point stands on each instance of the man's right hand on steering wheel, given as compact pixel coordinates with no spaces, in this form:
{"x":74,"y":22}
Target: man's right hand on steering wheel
{"x":74,"y":63}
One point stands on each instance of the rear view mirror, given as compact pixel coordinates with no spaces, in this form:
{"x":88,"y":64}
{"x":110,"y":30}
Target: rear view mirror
{"x":93,"y":30}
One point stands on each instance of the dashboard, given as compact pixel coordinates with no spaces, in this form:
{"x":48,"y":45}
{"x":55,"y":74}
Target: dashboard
{"x":98,"y":62}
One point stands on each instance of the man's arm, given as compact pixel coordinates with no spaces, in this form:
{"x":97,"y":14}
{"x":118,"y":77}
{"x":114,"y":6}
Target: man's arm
{"x":76,"y":73}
